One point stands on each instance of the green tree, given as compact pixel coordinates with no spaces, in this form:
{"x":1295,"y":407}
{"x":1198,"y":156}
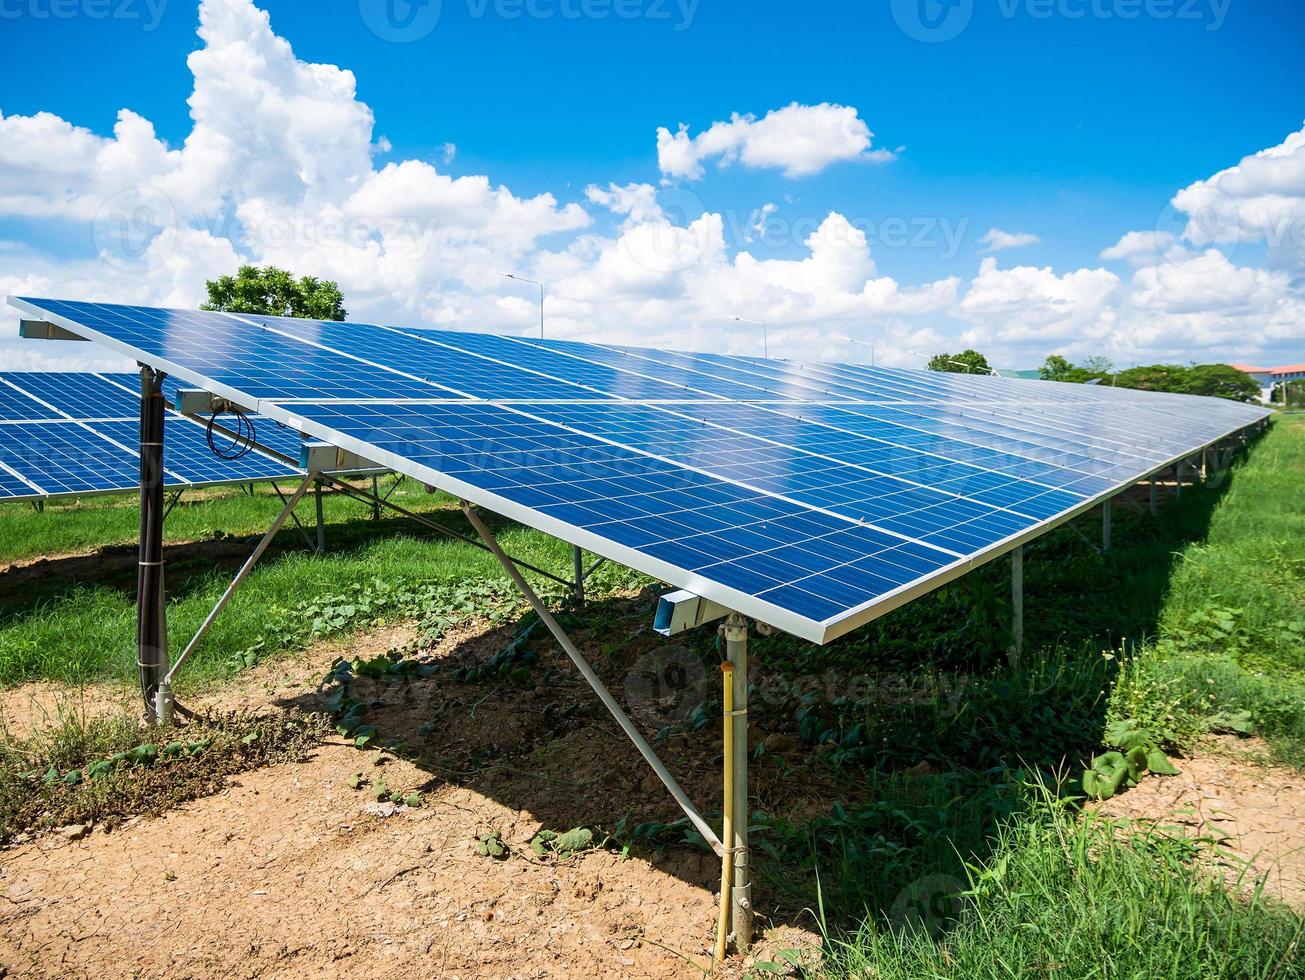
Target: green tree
{"x":1058,"y":368}
{"x":275,"y":292}
{"x":1222,"y":381}
{"x":1154,"y":377}
{"x":966,"y":362}
{"x":1055,"y":368}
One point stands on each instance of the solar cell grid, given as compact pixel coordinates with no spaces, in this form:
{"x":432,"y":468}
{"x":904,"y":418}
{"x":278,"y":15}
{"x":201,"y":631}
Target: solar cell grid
{"x":813,"y":496}
{"x":17,"y":406}
{"x":78,"y":395}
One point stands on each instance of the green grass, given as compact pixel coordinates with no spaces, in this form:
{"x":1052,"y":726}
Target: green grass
{"x":1193,"y":617}
{"x":1231,"y":633}
{"x":1070,"y":897}
{"x":80,"y":625}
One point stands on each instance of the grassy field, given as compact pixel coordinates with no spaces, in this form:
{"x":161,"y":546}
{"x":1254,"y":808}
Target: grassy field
{"x":75,"y":621}
{"x":977,"y":863}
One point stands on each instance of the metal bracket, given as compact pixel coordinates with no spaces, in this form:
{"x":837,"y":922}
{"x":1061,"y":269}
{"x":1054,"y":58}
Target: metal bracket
{"x":41,"y":330}
{"x":680,"y":611}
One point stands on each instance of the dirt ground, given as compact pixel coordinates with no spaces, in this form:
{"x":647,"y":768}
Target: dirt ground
{"x":291,"y":871}
{"x":1255,"y":812}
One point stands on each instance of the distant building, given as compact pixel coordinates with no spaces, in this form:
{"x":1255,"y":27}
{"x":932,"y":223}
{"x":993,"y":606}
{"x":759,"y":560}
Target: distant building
{"x":1268,"y":377}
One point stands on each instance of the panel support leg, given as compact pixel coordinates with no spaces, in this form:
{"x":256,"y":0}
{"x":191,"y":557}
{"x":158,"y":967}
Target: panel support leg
{"x":1105,"y":525}
{"x":1178,"y":478}
{"x":604,"y":695}
{"x":579,"y":558}
{"x":1016,"y":605}
{"x":166,"y":700}
{"x":321,"y":526}
{"x":1150,"y":484}
{"x":736,"y":648}
{"x":151,"y":598}
{"x":376,"y":498}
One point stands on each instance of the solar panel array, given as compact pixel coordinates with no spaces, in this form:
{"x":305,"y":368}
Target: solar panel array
{"x":812,"y":496}
{"x":65,"y":433}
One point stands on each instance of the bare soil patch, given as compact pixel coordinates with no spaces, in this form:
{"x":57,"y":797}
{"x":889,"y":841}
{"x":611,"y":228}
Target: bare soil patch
{"x":291,"y":871}
{"x":1256,"y":813}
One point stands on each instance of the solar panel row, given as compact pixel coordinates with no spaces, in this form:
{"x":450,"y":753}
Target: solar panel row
{"x":809,"y":495}
{"x":69,"y":433}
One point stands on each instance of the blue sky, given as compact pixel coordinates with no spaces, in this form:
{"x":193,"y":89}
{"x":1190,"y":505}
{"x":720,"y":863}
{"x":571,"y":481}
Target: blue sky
{"x":1073,"y":120}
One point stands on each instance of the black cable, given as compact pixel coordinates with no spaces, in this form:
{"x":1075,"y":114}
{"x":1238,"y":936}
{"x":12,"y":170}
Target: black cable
{"x":242,"y":441}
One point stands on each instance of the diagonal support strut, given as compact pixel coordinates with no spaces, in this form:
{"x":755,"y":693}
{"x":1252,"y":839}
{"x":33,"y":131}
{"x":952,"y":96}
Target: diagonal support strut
{"x":595,"y":682}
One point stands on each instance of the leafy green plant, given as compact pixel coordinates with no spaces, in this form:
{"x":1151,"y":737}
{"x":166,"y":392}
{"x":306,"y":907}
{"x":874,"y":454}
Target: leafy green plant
{"x":564,"y":845}
{"x":491,"y":846}
{"x":1113,"y":771}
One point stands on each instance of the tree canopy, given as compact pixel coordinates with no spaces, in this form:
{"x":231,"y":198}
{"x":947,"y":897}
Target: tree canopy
{"x":275,"y":292}
{"x":1058,"y":368}
{"x":966,"y":362}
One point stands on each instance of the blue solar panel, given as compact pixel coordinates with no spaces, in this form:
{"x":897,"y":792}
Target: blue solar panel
{"x":813,"y":496}
{"x":78,"y":395}
{"x":91,"y":447}
{"x":66,"y":458}
{"x":18,"y":406}
{"x":187,"y":455}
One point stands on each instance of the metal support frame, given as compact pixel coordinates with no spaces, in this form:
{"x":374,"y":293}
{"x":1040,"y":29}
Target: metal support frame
{"x":151,"y":599}
{"x":1150,"y":485}
{"x":595,"y":682}
{"x":303,"y":531}
{"x":376,"y":498}
{"x":321,"y":524}
{"x":1178,"y":477}
{"x":1016,"y":604}
{"x":164,"y":702}
{"x":735,"y":629}
{"x":1105,"y":525}
{"x":172,"y":501}
{"x":350,"y":490}
{"x":578,"y":586}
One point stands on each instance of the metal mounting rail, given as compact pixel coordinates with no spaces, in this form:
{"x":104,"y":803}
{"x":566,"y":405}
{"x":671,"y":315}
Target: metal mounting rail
{"x":595,"y":682}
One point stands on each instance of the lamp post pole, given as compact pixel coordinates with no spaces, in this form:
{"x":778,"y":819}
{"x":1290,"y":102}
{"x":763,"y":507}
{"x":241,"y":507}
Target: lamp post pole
{"x":534,"y":282}
{"x":765,"y":337}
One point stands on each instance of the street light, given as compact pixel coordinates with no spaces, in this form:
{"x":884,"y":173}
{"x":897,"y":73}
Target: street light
{"x":536,"y":282}
{"x":853,"y":340}
{"x":969,"y":368}
{"x":765,"y":339}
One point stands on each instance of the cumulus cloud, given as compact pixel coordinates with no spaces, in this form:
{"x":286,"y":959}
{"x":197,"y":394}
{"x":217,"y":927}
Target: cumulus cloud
{"x":281,"y":166}
{"x":1139,"y":247}
{"x":799,"y":140}
{"x":1260,"y":199}
{"x":997,"y":240}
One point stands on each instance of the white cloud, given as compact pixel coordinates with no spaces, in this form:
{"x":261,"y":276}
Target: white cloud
{"x":998,"y":240}
{"x":1139,"y":247}
{"x":281,"y":166}
{"x":798,"y":139}
{"x":1260,"y":199}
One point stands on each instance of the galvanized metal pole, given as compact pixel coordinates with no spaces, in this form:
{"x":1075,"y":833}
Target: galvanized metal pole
{"x":376,"y":498}
{"x":165,"y":702}
{"x":604,"y":695}
{"x":1105,"y":525}
{"x":736,"y":649}
{"x":1017,"y":604}
{"x":321,"y":526}
{"x":151,"y":598}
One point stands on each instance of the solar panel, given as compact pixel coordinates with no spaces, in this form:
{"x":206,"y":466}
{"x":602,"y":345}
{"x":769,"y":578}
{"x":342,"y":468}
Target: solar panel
{"x":810,"y":496}
{"x":67,"y":458}
{"x":70,"y":433}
